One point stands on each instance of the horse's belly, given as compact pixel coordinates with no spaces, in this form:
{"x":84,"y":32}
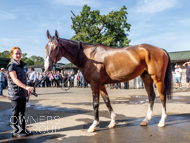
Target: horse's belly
{"x":124,"y":73}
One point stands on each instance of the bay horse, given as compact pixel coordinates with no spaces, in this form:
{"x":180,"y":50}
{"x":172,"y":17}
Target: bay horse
{"x":101,"y":64}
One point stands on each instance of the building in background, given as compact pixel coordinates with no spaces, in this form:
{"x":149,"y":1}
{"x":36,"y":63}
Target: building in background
{"x":4,"y":62}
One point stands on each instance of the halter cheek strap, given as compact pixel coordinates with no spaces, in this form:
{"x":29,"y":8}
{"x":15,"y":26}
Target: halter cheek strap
{"x":49,"y":52}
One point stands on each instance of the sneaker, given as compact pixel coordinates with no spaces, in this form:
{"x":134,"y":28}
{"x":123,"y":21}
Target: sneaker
{"x":186,"y":88}
{"x":180,"y":88}
{"x":28,"y":133}
{"x":19,"y":135}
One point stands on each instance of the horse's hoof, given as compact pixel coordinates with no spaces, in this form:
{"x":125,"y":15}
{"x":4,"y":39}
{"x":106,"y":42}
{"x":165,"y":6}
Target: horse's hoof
{"x":143,"y":123}
{"x":91,"y":130}
{"x":161,"y":124}
{"x":111,"y":125}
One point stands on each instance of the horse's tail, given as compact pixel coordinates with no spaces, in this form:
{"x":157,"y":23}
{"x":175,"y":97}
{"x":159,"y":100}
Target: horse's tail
{"x":168,"y":81}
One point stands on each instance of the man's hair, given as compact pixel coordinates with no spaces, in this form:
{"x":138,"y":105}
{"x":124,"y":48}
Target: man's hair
{"x":31,"y":68}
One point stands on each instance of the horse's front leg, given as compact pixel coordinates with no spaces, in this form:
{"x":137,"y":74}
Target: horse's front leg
{"x":95,"y":87}
{"x":105,"y":96}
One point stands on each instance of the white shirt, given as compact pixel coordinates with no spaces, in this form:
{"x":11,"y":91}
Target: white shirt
{"x":33,"y":76}
{"x":80,"y":74}
{"x":177,"y":74}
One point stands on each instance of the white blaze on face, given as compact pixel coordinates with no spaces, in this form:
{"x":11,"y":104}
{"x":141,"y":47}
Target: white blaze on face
{"x":47,"y":64}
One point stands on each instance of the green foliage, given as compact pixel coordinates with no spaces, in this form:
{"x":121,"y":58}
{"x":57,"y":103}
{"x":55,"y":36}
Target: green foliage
{"x":91,"y":27}
{"x":33,"y":60}
{"x":5,"y":54}
{"x":29,"y":62}
{"x":37,"y":60}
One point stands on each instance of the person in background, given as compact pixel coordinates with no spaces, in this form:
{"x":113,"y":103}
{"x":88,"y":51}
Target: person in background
{"x":37,"y":80}
{"x":40,"y":78}
{"x":32,"y":78}
{"x":57,"y":78}
{"x":52,"y":79}
{"x":126,"y":85}
{"x":187,"y":65}
{"x":78,"y":79}
{"x":17,"y":93}
{"x":178,"y":73}
{"x":65,"y":76}
{"x":2,"y":80}
{"x":43,"y":81}
{"x":61,"y":77}
{"x":81,"y":79}
{"x":142,"y":83}
{"x":136,"y":82}
{"x":46,"y":81}
{"x":71,"y":79}
{"x":5,"y":75}
{"x":118,"y":85}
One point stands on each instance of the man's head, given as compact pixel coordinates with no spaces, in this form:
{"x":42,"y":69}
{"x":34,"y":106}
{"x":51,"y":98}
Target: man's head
{"x":2,"y":69}
{"x":30,"y":69}
{"x":176,"y":66}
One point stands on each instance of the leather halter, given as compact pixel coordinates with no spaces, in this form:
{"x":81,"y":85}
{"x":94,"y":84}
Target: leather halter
{"x":49,"y":52}
{"x":53,"y":62}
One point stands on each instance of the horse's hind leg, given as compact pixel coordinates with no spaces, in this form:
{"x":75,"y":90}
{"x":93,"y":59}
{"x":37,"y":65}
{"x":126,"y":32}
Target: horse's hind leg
{"x":148,"y":82}
{"x":105,"y":96}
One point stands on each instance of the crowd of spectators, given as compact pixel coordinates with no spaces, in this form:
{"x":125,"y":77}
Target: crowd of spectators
{"x":56,"y":79}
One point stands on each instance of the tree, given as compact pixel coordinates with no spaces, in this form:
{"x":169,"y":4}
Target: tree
{"x":29,"y":62}
{"x":24,"y":58}
{"x":37,"y":60}
{"x":91,"y":27}
{"x":33,"y":60}
{"x":5,"y":54}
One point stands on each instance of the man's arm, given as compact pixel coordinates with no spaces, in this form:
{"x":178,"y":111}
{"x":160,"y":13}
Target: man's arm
{"x":180,"y":71}
{"x":185,"y":63}
{"x":35,"y":76}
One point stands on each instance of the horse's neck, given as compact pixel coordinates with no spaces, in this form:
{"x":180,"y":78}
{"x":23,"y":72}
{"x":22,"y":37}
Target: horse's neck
{"x":71,"y":51}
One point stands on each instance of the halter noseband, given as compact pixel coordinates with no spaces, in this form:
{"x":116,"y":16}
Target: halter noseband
{"x":53,"y":62}
{"x":49,"y":52}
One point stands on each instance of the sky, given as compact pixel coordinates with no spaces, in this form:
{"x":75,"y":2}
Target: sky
{"x":23,"y":23}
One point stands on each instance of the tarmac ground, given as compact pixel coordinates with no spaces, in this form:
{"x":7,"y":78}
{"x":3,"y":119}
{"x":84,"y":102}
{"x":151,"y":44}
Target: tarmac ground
{"x":64,"y":116}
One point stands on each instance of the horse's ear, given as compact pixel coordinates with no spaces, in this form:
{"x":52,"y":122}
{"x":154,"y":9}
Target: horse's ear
{"x":48,"y":34}
{"x":56,"y":34}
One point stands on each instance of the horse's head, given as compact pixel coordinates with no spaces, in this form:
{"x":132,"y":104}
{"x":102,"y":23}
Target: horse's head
{"x":53,"y":51}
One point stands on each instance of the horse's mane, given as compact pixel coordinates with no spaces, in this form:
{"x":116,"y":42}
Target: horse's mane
{"x":95,"y":45}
